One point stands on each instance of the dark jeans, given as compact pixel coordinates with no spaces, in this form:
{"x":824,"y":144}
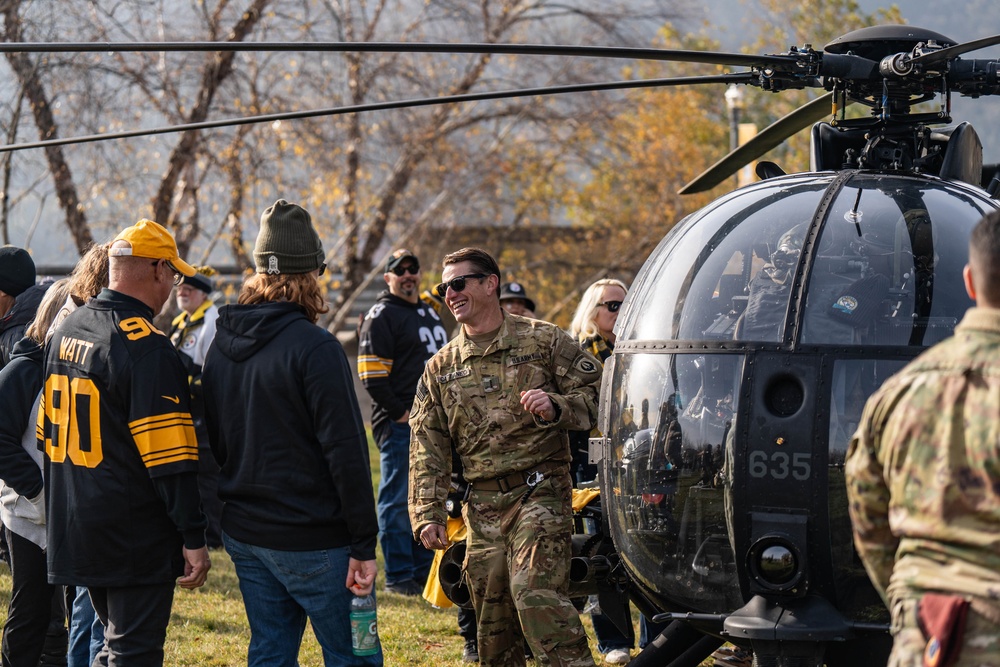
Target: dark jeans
{"x":405,"y":558}
{"x":467,"y":623}
{"x":609,"y":637}
{"x":34,"y":603}
{"x":135,"y":620}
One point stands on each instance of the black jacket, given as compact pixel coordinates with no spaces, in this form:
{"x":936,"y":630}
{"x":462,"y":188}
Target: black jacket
{"x":13,"y":324}
{"x":20,"y":382}
{"x":285,"y":427}
{"x":395,"y":341}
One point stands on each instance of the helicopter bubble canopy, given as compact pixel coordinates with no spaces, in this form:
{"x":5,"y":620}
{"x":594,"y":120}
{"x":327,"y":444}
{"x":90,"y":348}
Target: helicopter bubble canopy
{"x":766,"y":321}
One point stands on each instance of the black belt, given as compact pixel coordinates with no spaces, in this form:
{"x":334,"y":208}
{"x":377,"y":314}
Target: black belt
{"x":516,"y":479}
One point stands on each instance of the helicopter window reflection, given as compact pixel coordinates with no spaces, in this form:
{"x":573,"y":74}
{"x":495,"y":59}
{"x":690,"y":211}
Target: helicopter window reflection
{"x":704,"y":289}
{"x":852,"y":383}
{"x":888,"y":267}
{"x":667,"y":472}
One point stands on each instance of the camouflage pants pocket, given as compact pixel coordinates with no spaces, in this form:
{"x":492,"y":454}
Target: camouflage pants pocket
{"x":908,"y":642}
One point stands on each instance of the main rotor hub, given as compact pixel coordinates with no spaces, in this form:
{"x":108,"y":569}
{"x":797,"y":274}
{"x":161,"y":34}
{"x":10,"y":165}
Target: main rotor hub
{"x":880,"y":42}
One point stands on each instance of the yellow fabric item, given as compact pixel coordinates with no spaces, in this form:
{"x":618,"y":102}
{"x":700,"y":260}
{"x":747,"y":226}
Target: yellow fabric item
{"x":582,"y":498}
{"x":433,"y":592}
{"x":457,"y":532}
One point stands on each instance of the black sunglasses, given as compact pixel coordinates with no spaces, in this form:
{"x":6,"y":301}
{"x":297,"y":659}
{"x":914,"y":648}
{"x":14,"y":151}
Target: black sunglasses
{"x":456,"y":284}
{"x":412,"y":269}
{"x":613,"y":306}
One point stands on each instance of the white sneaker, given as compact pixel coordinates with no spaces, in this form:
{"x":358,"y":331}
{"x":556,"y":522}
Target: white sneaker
{"x":618,"y":656}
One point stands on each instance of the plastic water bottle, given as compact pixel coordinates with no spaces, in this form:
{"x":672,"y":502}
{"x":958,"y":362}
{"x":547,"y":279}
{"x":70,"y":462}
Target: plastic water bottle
{"x":364,"y":625}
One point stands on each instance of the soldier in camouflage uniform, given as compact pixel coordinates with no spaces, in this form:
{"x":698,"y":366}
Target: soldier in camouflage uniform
{"x":504,"y":392}
{"x":924,"y":483}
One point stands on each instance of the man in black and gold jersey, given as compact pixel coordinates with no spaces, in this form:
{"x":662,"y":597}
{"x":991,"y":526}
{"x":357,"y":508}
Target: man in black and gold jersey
{"x":121,"y":455}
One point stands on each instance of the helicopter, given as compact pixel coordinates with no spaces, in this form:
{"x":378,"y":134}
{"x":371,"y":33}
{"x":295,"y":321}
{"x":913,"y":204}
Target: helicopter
{"x":756,"y":330}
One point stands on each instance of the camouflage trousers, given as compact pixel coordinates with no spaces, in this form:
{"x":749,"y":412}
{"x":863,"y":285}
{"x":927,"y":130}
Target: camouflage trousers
{"x":517,"y":564}
{"x":980,"y":643}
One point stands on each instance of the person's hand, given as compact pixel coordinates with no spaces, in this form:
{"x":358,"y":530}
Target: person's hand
{"x":361,"y":576}
{"x":538,"y":403}
{"x":404,"y":419}
{"x":434,"y":536}
{"x":196,"y":566}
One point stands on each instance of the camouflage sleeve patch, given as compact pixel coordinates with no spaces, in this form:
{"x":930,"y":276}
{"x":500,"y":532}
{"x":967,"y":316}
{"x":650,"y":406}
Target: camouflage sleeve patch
{"x":421,"y":390}
{"x":586,"y":366}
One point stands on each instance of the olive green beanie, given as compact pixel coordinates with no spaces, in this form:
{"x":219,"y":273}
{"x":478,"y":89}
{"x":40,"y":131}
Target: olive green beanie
{"x":287,"y":241}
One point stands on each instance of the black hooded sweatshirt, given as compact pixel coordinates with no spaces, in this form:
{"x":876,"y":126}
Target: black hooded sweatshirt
{"x":284,"y":425}
{"x":14,"y":323}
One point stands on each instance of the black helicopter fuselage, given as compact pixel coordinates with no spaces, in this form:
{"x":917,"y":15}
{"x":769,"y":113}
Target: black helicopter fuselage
{"x":745,"y":352}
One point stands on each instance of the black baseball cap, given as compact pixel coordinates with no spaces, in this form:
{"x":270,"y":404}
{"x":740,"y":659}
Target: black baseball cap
{"x":397,"y":257}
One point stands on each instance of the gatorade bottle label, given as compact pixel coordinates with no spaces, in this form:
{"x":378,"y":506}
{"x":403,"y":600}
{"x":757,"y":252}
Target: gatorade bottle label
{"x":364,"y":632}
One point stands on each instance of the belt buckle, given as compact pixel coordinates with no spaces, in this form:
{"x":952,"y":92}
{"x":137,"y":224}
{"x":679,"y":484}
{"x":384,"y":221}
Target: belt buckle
{"x":534,"y":479}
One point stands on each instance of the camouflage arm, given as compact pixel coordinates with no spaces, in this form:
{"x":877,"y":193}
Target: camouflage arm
{"x":578,"y":377}
{"x":868,"y":499}
{"x":430,"y":456}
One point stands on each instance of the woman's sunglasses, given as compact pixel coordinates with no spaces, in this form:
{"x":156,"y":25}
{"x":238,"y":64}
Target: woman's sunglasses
{"x":457,"y":284}
{"x":612,"y":306}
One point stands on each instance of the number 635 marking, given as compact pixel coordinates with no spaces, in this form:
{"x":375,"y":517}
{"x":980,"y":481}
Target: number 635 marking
{"x":780,"y":465}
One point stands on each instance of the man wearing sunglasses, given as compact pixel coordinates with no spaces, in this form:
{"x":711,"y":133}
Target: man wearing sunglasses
{"x":503,"y":393}
{"x":397,"y":337}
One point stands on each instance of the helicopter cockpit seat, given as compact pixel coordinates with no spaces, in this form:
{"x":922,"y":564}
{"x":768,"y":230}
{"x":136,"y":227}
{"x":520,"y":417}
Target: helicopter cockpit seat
{"x":842,"y":309}
{"x":729,"y":303}
{"x":770,"y":290}
{"x":732,"y":293}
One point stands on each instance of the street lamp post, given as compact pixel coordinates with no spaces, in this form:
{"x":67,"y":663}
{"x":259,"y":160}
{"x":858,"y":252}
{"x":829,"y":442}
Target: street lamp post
{"x":734,"y":102}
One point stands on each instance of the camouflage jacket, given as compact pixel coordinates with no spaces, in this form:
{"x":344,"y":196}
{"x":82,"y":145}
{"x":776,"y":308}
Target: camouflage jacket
{"x":923,"y":469}
{"x":470,"y":398}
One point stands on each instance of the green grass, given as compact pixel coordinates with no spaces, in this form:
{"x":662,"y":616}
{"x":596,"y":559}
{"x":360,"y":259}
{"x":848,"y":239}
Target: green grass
{"x":208,"y":627}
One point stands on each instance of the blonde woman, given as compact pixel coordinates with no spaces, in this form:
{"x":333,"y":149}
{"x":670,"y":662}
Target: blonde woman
{"x":593,"y":327}
{"x":594,"y":322}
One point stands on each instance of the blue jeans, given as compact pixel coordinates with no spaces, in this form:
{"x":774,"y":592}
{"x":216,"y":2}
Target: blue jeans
{"x":609,"y":637}
{"x":86,"y":634}
{"x":648,"y":631}
{"x":405,"y":558}
{"x":281,"y":589}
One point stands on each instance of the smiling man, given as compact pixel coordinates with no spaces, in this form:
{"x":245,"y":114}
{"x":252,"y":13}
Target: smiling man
{"x":503,"y":393}
{"x":397,"y":337}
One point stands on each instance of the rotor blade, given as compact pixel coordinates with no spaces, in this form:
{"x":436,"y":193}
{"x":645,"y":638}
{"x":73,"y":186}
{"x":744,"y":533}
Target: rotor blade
{"x":950,"y":52}
{"x":669,"y":55}
{"x":768,"y":138}
{"x":745,"y":78}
